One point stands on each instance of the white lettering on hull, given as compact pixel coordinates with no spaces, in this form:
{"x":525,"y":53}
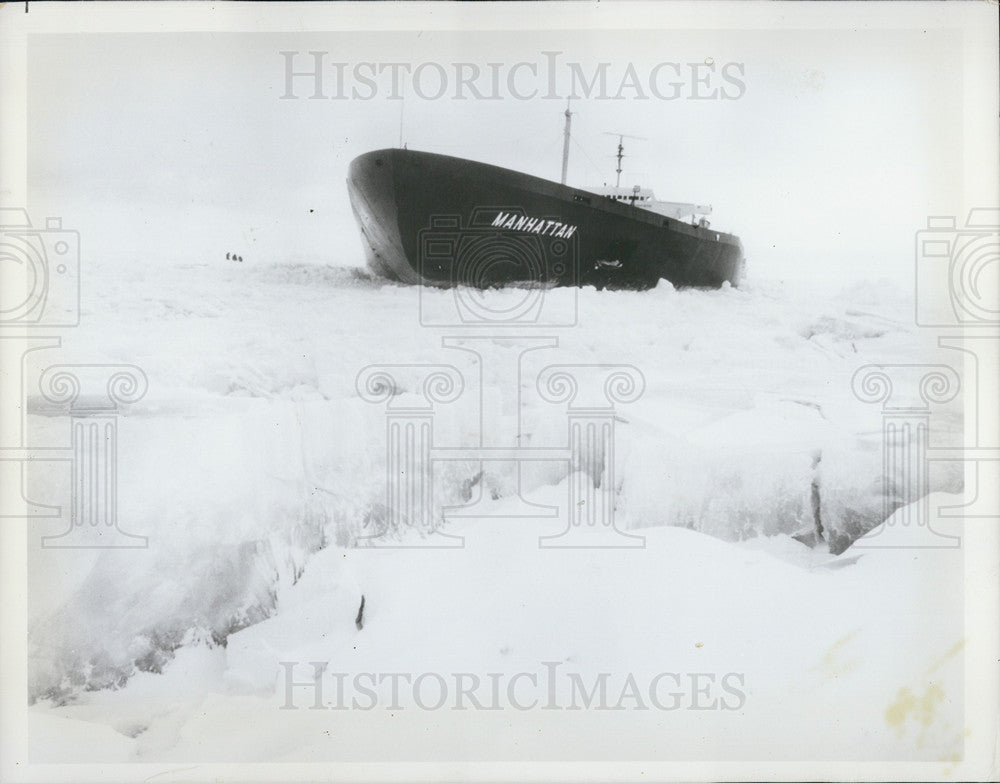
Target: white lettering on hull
{"x":531,"y":225}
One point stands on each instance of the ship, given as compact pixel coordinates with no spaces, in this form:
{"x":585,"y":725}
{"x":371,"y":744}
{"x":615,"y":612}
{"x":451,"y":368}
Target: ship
{"x":437,"y":220}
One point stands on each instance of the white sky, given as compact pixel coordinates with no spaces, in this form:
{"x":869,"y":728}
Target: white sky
{"x":178,"y":145}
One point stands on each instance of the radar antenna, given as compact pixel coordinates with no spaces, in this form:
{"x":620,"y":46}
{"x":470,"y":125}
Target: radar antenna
{"x":621,"y":151}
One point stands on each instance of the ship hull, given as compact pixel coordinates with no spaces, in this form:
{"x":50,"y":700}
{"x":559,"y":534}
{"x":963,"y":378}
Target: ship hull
{"x":429,"y":219}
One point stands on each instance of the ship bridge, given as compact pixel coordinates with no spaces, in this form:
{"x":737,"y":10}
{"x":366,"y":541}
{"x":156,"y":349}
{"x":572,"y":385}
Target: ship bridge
{"x":644,"y":198}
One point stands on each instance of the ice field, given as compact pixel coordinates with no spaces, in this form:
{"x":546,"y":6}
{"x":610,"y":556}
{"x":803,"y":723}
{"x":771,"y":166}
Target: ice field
{"x":257,"y":470}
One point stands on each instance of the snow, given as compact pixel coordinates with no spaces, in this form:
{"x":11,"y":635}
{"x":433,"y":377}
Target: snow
{"x":257,"y":472}
{"x":806,"y":638}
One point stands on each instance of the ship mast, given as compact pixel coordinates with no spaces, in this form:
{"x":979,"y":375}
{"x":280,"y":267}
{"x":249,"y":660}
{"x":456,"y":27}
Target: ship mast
{"x":618,"y":171}
{"x":565,"y":161}
{"x":621,"y":152}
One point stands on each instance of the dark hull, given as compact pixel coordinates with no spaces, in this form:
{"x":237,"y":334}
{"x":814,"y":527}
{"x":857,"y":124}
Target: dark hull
{"x":438,"y":220}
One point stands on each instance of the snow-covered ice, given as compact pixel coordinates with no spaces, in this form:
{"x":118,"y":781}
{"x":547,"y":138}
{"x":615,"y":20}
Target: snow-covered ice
{"x":257,"y":471}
